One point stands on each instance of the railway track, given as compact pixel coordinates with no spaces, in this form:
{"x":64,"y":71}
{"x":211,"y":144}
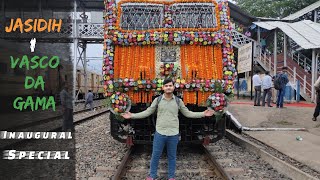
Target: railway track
{"x":229,"y":158}
{"x":46,"y":120}
{"x":192,"y":163}
{"x":52,"y":125}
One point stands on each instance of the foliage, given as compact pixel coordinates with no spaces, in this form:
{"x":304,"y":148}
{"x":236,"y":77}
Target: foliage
{"x":218,"y":87}
{"x":273,"y":8}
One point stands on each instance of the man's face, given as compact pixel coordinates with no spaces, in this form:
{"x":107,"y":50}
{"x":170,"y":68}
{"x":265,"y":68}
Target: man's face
{"x":168,"y":88}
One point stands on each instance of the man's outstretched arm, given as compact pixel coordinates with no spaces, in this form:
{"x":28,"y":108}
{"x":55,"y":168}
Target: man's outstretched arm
{"x":150,"y":110}
{"x":187,"y":113}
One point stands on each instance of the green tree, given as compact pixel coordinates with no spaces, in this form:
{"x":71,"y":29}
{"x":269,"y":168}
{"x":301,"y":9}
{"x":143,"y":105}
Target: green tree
{"x":273,"y":8}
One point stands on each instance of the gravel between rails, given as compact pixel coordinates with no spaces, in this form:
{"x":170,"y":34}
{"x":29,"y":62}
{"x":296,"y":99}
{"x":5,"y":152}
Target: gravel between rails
{"x":253,"y":166}
{"x":95,"y":147}
{"x":50,"y":125}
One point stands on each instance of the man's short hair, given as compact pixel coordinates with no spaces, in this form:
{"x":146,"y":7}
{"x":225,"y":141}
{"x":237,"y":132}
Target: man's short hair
{"x":284,"y":68}
{"x":168,"y":80}
{"x":257,"y":71}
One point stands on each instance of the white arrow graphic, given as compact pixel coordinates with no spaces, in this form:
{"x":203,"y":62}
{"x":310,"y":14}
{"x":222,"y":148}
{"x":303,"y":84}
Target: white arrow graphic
{"x":33,"y":44}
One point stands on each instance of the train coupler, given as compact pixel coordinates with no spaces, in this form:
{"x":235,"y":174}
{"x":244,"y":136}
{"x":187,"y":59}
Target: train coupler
{"x":206,"y":140}
{"x":129,"y":141}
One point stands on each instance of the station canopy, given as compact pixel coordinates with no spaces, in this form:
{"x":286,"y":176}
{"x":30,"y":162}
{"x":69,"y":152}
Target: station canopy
{"x":305,"y":33}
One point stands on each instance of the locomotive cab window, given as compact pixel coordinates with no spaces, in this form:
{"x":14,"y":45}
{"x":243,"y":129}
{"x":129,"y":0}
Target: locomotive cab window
{"x":141,"y":16}
{"x":193,"y":15}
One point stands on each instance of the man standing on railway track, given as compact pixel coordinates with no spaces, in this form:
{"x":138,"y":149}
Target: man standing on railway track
{"x":67,"y":108}
{"x":167,"y":126}
{"x":89,"y":100}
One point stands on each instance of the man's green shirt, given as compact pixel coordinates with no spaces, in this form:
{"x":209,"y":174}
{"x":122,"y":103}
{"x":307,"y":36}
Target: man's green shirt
{"x":167,"y":115}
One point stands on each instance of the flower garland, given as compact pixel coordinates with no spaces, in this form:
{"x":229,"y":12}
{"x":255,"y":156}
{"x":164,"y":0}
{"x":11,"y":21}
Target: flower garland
{"x":221,"y":57}
{"x":200,"y":62}
{"x":118,"y":103}
{"x":166,"y":37}
{"x":168,"y":70}
{"x":126,"y":85}
{"x":217,"y":101}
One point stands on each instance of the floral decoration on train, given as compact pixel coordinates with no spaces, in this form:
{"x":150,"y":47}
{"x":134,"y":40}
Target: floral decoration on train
{"x":168,"y":70}
{"x":118,"y":103}
{"x":167,"y":36}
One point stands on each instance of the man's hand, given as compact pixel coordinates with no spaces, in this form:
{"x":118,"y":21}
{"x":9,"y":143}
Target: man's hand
{"x":208,"y":112}
{"x":126,"y":115}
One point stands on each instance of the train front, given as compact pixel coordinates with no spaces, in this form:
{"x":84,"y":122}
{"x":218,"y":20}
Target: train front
{"x":147,"y":41}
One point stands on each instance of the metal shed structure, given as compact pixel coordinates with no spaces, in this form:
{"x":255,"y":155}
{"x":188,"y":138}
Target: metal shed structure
{"x":305,"y":33}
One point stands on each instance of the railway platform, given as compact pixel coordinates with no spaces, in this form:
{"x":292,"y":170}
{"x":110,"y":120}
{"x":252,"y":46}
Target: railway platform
{"x":278,"y":128}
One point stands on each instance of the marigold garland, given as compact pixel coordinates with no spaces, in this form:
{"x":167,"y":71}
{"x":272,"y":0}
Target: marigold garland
{"x":197,"y":61}
{"x":218,"y":60}
{"x":220,"y":56}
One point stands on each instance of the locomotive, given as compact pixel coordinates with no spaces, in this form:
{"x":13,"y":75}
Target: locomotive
{"x":146,"y":41}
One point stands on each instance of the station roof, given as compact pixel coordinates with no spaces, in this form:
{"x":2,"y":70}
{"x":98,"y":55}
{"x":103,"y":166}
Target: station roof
{"x":240,"y":16}
{"x":305,"y":33}
{"x":303,"y":11}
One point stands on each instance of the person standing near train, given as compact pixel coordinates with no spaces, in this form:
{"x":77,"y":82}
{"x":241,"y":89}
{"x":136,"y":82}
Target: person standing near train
{"x":167,"y":127}
{"x":67,"y":108}
{"x":89,"y":100}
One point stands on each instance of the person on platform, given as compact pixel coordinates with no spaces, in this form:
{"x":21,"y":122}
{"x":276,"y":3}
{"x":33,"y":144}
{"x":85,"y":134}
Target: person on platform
{"x":266,"y":87}
{"x":317,"y":109}
{"x":257,"y":88}
{"x":167,"y":127}
{"x":67,"y":108}
{"x":282,"y":77}
{"x":89,"y":100}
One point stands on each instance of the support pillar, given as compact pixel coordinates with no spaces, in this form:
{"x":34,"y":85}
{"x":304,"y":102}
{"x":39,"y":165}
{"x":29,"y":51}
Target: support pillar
{"x":313,"y":74}
{"x":85,"y":75}
{"x":75,"y":45}
{"x":258,"y":50}
{"x":40,"y":9}
{"x":275,"y":52}
{"x":285,"y":49}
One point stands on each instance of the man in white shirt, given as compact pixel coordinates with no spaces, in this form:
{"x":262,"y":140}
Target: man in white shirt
{"x":266,"y":87}
{"x":257,"y":88}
